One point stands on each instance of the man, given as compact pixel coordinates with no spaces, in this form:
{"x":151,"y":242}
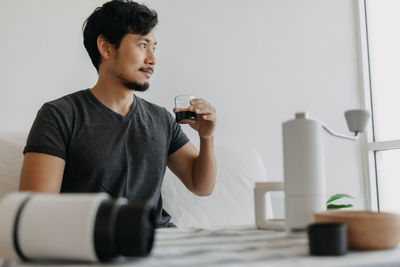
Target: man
{"x":107,"y":139}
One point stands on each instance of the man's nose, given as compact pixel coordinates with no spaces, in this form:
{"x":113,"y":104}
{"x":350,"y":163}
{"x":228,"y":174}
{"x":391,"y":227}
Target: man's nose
{"x":150,"y":59}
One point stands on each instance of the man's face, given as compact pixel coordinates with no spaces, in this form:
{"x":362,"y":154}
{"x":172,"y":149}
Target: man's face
{"x":134,"y":61}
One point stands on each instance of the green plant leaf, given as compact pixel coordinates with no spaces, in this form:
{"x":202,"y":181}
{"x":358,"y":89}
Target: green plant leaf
{"x":337,"y":196}
{"x":342,"y":206}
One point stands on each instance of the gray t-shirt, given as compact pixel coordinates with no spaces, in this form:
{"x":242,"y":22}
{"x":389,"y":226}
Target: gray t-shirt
{"x":106,"y":152}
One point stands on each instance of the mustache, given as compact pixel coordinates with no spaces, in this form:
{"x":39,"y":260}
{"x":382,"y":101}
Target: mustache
{"x":147,"y":69}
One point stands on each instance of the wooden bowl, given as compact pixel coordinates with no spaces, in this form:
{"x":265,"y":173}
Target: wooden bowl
{"x":366,"y":230}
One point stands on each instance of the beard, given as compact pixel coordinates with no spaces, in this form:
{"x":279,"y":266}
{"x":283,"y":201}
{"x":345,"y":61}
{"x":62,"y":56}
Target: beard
{"x":134,"y":86}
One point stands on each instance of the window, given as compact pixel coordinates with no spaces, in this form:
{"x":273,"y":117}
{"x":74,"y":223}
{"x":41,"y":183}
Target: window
{"x":380,"y":60}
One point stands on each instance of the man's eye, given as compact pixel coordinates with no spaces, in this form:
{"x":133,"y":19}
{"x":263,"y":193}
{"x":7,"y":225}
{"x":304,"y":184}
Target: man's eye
{"x":143,"y":45}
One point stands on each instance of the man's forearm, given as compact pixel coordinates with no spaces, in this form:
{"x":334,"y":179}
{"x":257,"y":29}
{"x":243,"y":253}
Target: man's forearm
{"x":205,"y":168}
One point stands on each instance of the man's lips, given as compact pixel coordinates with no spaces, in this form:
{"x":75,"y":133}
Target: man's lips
{"x":149,"y":71}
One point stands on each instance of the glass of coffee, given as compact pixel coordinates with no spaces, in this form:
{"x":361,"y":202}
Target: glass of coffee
{"x":182,"y":112}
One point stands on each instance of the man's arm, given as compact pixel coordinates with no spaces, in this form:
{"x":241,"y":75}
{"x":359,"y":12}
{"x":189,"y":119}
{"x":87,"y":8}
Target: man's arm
{"x":41,"y":173}
{"x":197,"y":170}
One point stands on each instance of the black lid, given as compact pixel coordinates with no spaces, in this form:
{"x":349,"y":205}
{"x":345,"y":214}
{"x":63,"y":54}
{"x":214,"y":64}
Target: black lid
{"x":105,"y":230}
{"x":123,"y":229}
{"x":135,"y":229}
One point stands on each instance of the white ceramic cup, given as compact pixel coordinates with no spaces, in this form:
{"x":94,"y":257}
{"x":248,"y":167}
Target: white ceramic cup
{"x":260,"y":202}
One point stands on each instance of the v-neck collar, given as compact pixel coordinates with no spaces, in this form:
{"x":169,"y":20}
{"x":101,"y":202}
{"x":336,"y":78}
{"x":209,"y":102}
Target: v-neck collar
{"x":110,"y":111}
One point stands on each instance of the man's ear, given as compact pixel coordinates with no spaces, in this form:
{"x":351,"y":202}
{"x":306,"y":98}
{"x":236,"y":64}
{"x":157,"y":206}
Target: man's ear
{"x":105,"y":47}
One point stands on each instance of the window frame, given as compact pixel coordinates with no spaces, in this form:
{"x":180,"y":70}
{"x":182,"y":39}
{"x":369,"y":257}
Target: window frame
{"x":369,"y":147}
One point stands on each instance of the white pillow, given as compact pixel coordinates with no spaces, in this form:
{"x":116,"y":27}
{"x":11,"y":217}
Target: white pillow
{"x":231,"y":203}
{"x":11,"y":157}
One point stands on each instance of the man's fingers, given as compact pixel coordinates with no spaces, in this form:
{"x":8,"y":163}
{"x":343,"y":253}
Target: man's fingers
{"x":210,"y":117}
{"x":202,"y":108}
{"x":197,"y":101}
{"x":205,"y":110}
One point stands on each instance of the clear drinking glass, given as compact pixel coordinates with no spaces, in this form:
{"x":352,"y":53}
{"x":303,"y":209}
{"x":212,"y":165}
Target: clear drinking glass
{"x":182,"y":112}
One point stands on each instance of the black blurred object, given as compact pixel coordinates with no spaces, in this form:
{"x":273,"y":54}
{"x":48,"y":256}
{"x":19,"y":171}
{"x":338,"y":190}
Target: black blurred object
{"x":125,"y":229}
{"x":327,"y":239}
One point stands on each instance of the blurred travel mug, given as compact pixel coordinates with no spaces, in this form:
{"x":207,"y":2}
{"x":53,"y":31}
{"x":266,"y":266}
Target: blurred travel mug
{"x":74,"y":227}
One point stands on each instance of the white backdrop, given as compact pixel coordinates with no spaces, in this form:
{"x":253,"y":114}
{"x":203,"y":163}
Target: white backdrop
{"x":256,"y":61}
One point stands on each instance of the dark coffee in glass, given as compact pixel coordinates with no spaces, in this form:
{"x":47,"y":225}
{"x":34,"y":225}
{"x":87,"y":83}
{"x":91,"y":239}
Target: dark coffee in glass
{"x":185,"y":116}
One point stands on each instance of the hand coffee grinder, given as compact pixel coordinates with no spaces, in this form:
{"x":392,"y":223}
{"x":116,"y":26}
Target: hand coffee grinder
{"x":304,"y":168}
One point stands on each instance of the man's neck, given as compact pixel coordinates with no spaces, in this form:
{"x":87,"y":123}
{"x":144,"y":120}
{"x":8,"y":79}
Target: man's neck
{"x":113,"y":95}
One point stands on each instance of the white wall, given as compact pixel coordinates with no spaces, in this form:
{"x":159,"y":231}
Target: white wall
{"x":256,"y":61}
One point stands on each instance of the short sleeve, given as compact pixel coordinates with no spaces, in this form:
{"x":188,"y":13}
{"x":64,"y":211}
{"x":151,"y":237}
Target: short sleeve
{"x":178,"y":138}
{"x":49,"y":133}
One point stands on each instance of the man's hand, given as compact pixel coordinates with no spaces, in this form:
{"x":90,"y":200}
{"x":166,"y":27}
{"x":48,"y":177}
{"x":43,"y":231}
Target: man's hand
{"x":206,"y":117}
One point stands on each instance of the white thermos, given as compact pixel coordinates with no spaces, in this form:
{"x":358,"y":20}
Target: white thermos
{"x":74,"y":227}
{"x":304,"y":171}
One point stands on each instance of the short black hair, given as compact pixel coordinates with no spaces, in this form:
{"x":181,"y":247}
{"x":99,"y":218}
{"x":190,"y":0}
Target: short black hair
{"x":114,"y":20}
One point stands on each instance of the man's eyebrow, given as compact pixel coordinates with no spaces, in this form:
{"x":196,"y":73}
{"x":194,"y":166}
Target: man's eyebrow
{"x":147,"y":40}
